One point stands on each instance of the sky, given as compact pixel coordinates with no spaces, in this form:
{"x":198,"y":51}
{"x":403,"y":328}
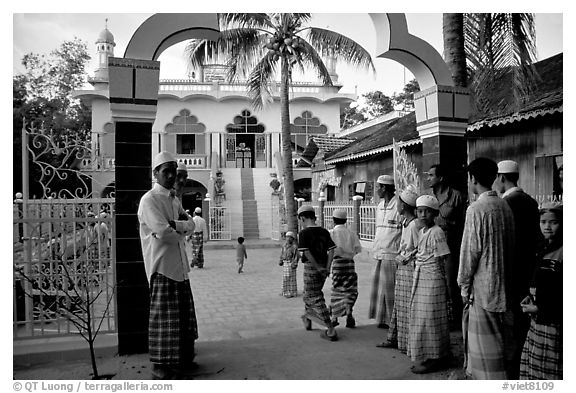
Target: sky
{"x":43,"y":32}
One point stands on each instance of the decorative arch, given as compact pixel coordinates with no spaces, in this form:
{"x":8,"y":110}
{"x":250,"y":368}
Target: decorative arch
{"x":245,"y":123}
{"x":185,"y":123}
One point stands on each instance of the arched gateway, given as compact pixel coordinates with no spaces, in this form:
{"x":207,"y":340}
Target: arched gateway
{"x":441,"y":115}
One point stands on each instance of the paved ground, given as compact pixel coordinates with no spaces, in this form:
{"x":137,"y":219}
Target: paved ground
{"x":248,"y":331}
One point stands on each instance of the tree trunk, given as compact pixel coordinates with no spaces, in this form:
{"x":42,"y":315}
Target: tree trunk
{"x":454,"y":54}
{"x":287,"y":148}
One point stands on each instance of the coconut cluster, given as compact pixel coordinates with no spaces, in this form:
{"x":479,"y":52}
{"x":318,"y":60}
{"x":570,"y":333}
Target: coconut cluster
{"x":278,"y":44}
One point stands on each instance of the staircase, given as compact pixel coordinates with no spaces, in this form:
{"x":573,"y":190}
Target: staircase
{"x":249,"y":205}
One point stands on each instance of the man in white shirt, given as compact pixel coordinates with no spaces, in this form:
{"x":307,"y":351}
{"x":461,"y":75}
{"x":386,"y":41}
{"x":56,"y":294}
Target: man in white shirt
{"x":163,"y":226}
{"x":198,"y":238}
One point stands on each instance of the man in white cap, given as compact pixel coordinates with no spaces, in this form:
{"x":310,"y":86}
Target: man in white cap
{"x":344,"y":277}
{"x":486,"y":257}
{"x":198,"y":238}
{"x":385,"y":250}
{"x":528,"y":236}
{"x":317,"y":250}
{"x":164,"y":224}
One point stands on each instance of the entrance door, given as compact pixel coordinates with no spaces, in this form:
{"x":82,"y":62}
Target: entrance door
{"x":245,"y":150}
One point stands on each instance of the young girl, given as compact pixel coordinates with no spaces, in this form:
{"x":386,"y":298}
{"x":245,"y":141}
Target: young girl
{"x":398,"y":332}
{"x":542,"y":352}
{"x":429,"y":330}
{"x":289,"y":260}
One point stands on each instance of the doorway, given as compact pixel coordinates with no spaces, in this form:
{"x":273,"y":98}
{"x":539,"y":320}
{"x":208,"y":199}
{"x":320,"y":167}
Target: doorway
{"x":245,"y":150}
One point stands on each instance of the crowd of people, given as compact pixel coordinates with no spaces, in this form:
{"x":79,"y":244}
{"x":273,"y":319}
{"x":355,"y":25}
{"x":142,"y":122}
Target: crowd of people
{"x":440,"y":265}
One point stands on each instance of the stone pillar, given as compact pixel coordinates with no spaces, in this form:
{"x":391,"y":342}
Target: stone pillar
{"x":356,"y":201}
{"x":321,"y":202}
{"x":133,"y":99}
{"x":441,"y":120}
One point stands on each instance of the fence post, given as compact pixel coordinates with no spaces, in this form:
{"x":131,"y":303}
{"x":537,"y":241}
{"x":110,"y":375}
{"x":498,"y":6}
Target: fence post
{"x":356,"y":201}
{"x":299,"y":202}
{"x":321,"y":201}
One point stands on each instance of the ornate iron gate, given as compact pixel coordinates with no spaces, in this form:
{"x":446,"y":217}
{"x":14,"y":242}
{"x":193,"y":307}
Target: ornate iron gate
{"x":64,"y":244}
{"x":220,"y":223}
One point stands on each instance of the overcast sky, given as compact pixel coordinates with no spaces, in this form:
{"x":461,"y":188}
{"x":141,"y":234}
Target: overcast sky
{"x":43,"y":32}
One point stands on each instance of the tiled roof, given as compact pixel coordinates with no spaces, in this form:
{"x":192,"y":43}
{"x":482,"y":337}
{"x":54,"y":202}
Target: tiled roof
{"x":325,"y":143}
{"x":379,"y":139}
{"x":546,"y":98}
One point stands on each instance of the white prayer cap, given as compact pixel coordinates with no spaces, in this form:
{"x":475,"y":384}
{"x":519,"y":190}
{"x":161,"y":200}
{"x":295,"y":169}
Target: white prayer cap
{"x":428,"y":201}
{"x":385,"y":179}
{"x":291,"y":234}
{"x":161,"y":158}
{"x":340,"y":213}
{"x":409,"y":197}
{"x":306,"y":208}
{"x":198,"y":210}
{"x":182,"y":167}
{"x":508,"y":166}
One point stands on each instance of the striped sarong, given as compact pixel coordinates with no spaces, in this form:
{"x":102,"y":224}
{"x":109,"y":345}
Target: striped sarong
{"x":197,"y":244}
{"x":429,"y":327}
{"x":542,"y":352}
{"x":489,"y":343}
{"x":315,"y":307}
{"x":172,"y":327}
{"x":399,"y":325}
{"x":289,"y":285}
{"x":344,"y":287}
{"x":382,"y":293}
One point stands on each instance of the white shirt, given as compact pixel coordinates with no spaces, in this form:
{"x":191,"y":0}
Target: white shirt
{"x":163,"y":248}
{"x":388,"y":230}
{"x":200,"y":226}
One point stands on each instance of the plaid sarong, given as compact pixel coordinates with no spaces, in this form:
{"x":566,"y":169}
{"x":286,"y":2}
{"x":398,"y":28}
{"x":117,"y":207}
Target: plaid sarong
{"x":489,"y":343}
{"x":429,"y":327}
{"x":315,"y":307}
{"x":289,"y":286}
{"x":382,"y":293}
{"x":542,"y":352}
{"x":197,"y":245}
{"x":400,"y":322}
{"x":344,"y":287}
{"x":172,"y":326}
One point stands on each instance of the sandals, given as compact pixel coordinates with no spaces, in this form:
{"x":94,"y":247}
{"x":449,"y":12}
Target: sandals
{"x":325,"y":336}
{"x":387,"y":344}
{"x":307,"y":323}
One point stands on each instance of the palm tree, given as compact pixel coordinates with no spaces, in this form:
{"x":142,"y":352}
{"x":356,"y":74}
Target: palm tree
{"x":255,"y":45}
{"x":498,"y":50}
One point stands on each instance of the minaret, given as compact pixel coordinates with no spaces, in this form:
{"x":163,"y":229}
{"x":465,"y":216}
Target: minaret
{"x":104,"y":48}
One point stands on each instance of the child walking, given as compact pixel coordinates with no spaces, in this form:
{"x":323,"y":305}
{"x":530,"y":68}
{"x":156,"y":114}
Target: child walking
{"x":289,"y":261}
{"x":429,"y":330}
{"x":241,"y":254}
{"x":344,"y":277}
{"x":542,"y":352}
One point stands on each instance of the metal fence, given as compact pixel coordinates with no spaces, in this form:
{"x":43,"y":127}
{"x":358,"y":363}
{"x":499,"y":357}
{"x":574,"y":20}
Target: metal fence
{"x":64,"y":277}
{"x":220,"y":223}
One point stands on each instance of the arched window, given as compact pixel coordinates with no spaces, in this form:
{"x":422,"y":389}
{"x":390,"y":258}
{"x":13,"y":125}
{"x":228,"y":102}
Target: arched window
{"x":245,"y":123}
{"x":303,"y":128}
{"x":189,"y":133}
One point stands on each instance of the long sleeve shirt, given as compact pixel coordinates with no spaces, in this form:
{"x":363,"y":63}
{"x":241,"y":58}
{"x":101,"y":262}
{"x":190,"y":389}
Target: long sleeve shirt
{"x":388,"y":230}
{"x":486,"y":253}
{"x":163,"y":247}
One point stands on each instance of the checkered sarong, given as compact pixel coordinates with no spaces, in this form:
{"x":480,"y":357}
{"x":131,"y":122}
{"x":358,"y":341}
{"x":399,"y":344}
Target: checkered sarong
{"x":401,"y":314}
{"x":315,"y":307}
{"x":429,"y":328}
{"x":344,"y":287}
{"x":289,"y":286}
{"x":382,"y":293}
{"x":197,"y":245}
{"x":172,"y":326}
{"x":488,"y":342}
{"x":542,"y":352}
